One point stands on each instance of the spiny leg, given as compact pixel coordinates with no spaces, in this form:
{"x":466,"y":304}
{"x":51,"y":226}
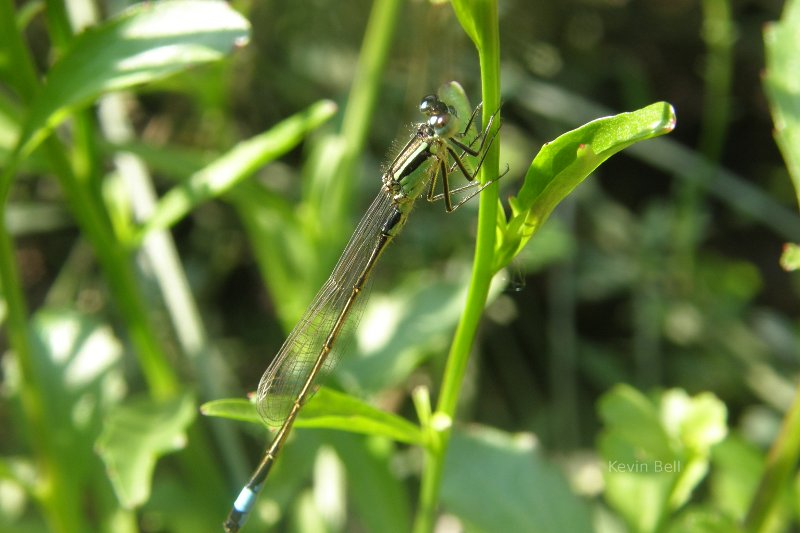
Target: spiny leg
{"x":447,"y":193}
{"x":475,"y":193}
{"x":468,"y":150}
{"x":457,"y":161}
{"x":470,"y":121}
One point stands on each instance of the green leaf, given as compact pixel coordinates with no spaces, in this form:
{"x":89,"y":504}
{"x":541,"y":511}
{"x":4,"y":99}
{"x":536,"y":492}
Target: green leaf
{"x":79,"y":375}
{"x":233,"y":409}
{"x":737,"y":466}
{"x":336,"y":410}
{"x":638,"y":460}
{"x":328,"y":409}
{"x":704,"y":520}
{"x":782,"y":86}
{"x":698,"y":423}
{"x":419,"y":308}
{"x":236,"y":165}
{"x":378,"y":495}
{"x":135,"y":435}
{"x":473,"y":17}
{"x":656,"y":451}
{"x":628,"y":413}
{"x":147,"y":42}
{"x":495,"y":481}
{"x":466,"y":17}
{"x":564,"y":163}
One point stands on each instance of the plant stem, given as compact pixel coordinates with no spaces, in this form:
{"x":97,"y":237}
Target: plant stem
{"x":331,"y":192}
{"x":482,"y":272}
{"x":60,"y":504}
{"x":781,"y":463}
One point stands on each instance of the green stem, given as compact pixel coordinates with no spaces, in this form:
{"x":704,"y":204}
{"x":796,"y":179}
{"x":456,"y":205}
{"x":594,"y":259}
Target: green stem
{"x":333,"y":182}
{"x":360,"y":110}
{"x":60,"y":503}
{"x":118,"y":270}
{"x":482,"y":272}
{"x":55,"y":493}
{"x":63,"y":504}
{"x":781,"y":464}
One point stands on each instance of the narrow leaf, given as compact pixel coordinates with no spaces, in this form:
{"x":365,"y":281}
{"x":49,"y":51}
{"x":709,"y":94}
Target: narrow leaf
{"x":327,"y":409}
{"x":236,"y":165}
{"x":336,"y":410}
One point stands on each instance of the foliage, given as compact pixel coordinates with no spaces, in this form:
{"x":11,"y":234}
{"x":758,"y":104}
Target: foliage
{"x":662,"y":346}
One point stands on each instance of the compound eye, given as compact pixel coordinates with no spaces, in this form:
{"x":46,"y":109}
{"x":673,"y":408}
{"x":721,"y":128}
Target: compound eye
{"x":440,"y":124}
{"x":428,"y":104}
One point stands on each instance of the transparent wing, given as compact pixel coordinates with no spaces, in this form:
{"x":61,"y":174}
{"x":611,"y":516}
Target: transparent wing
{"x":283,"y":381}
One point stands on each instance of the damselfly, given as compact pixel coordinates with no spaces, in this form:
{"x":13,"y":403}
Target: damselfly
{"x":438,"y":148}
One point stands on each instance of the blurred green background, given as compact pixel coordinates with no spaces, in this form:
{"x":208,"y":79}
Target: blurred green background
{"x":660,"y":272}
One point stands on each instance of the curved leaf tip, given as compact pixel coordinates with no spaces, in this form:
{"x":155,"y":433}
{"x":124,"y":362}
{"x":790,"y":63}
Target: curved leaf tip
{"x":562,"y":164}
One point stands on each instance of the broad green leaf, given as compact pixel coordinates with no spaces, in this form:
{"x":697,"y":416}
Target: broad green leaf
{"x":79,"y":375}
{"x":135,"y":435}
{"x":699,"y":422}
{"x":328,"y":409}
{"x":656,"y":451}
{"x":782,"y":86}
{"x":630,"y":414}
{"x":564,"y":163}
{"x":638,"y":461}
{"x":147,"y":42}
{"x":236,"y":165}
{"x":737,"y":467}
{"x":495,"y":481}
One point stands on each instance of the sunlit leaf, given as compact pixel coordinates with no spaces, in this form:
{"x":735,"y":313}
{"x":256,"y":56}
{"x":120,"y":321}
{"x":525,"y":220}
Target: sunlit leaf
{"x":737,"y":466}
{"x":782,"y":87}
{"x":147,"y":42}
{"x":562,"y":164}
{"x":656,"y":451}
{"x":135,"y":435}
{"x":327,"y":409}
{"x":78,"y":371}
